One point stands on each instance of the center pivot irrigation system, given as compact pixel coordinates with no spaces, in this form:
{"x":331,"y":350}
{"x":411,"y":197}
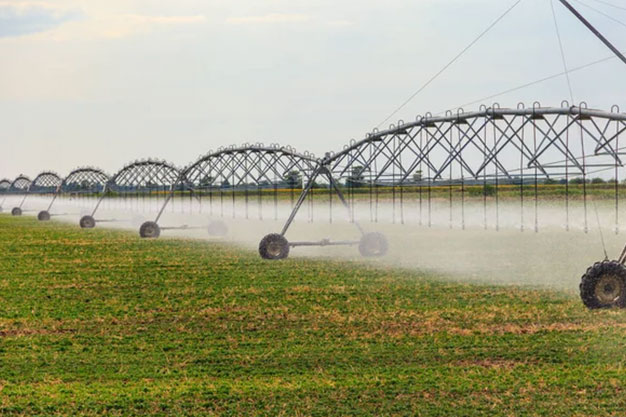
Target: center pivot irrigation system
{"x":520,"y":149}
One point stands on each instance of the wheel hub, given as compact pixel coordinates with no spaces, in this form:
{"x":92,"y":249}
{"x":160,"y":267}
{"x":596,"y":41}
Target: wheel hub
{"x":274,"y":249}
{"x":609,"y":289}
{"x":373,"y":246}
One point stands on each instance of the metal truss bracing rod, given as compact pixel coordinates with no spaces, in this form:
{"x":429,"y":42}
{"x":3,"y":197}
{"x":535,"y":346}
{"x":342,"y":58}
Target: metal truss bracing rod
{"x":54,"y":197}
{"x":305,"y":192}
{"x":593,"y":30}
{"x":322,"y":169}
{"x":170,"y":195}
{"x":325,"y":243}
{"x":104,"y":192}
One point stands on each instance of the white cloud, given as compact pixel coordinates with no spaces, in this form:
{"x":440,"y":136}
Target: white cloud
{"x":128,"y":25}
{"x":164,"y":20}
{"x":20,"y":19}
{"x":115,"y":26}
{"x":269,"y":18}
{"x":26,"y":4}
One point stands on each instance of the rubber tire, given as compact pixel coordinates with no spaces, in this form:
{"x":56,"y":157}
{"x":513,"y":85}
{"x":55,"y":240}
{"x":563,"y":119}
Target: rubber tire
{"x":150,"y":230}
{"x":373,"y":245}
{"x":273,"y":247}
{"x":591,"y":278}
{"x":16,"y":211}
{"x":87,"y":222}
{"x":217,"y":228}
{"x":43,"y":216}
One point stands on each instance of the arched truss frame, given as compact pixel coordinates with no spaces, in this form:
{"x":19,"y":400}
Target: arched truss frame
{"x":248,"y":165}
{"x":20,"y":185}
{"x":492,"y":144}
{"x":46,"y":182}
{"x":142,"y":176}
{"x":82,"y":180}
{"x":5,"y":185}
{"x":245,"y":166}
{"x":85,"y":180}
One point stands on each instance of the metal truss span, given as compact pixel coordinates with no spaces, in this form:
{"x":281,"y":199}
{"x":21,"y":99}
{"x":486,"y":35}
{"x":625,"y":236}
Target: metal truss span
{"x":5,"y":184}
{"x":492,"y":143}
{"x":85,"y":180}
{"x":144,"y":175}
{"x":82,"y":180}
{"x":140,"y":177}
{"x":248,"y":165}
{"x":20,"y":185}
{"x":490,"y":146}
{"x":45,"y":182}
{"x":240,"y":168}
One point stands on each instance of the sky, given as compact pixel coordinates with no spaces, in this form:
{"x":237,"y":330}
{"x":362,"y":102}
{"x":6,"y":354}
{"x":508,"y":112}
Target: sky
{"x":102,"y":83}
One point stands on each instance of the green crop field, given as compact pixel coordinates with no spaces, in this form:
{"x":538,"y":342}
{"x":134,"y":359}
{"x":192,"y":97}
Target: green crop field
{"x":100,"y":322}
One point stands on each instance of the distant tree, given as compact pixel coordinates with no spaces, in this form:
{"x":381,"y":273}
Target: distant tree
{"x":576,"y":181}
{"x":550,"y":181}
{"x":598,"y":180}
{"x":293,"y":179}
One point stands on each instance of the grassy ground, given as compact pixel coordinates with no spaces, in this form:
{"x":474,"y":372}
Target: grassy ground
{"x":101,"y":322}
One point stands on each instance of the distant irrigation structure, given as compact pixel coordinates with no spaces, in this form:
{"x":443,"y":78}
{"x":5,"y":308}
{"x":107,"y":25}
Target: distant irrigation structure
{"x":247,"y":169}
{"x":137,"y":179}
{"x":45,"y":183}
{"x":488,"y":155}
{"x":82,"y":180}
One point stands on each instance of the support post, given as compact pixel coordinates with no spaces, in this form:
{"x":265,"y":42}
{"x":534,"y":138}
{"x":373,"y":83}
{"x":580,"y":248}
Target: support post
{"x":322,"y":169}
{"x":343,"y":200}
{"x":303,"y":195}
